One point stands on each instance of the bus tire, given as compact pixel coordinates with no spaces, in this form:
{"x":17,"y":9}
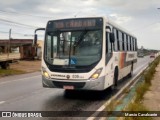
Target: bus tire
{"x":131,"y":72}
{"x":115,"y":79}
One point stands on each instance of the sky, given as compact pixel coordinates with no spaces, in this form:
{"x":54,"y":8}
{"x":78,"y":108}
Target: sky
{"x":140,"y":17}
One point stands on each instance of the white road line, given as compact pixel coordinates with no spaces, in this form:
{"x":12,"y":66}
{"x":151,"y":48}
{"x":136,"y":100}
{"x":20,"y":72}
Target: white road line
{"x":1,"y":102}
{"x":1,"y":83}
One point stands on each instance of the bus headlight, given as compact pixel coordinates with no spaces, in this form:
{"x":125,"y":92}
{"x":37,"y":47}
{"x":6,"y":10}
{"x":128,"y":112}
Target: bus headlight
{"x":45,"y":73}
{"x":96,"y":74}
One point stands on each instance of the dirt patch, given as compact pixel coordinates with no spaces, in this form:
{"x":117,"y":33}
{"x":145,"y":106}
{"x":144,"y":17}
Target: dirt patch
{"x":26,"y":66}
{"x":152,"y":97}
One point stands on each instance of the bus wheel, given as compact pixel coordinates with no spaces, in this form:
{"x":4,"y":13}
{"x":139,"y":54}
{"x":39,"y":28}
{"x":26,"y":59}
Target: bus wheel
{"x":131,"y":72}
{"x":115,"y":79}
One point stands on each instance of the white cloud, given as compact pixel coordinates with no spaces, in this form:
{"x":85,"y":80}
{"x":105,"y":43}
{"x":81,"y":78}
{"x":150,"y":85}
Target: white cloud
{"x":11,"y":2}
{"x":55,"y":10}
{"x":120,"y":19}
{"x":134,"y":15}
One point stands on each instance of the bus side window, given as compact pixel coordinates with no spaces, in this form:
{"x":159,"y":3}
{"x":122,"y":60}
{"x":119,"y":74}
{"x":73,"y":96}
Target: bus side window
{"x":120,"y":40}
{"x":132,"y":44}
{"x":115,"y":43}
{"x":129,"y":43}
{"x":133,"y":41}
{"x":136,"y":44}
{"x":108,"y":43}
{"x":125,"y":43}
{"x":118,"y":44}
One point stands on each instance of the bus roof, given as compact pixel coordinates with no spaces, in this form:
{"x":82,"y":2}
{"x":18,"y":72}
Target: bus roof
{"x":108,"y":21}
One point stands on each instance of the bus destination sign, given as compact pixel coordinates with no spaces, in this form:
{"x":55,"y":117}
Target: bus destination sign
{"x":77,"y":23}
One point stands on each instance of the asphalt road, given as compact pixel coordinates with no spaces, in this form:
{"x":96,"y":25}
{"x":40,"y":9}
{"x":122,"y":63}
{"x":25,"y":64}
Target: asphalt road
{"x":25,"y":93}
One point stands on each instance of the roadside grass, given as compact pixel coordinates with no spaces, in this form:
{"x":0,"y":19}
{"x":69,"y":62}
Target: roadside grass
{"x":137,"y":107}
{"x":148,"y":75}
{"x":8,"y":72}
{"x":125,"y":91}
{"x":141,"y":90}
{"x":112,"y":105}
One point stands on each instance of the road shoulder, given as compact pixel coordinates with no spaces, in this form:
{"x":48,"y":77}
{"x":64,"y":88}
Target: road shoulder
{"x":152,"y":97}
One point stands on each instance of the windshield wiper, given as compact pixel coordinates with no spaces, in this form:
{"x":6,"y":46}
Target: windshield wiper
{"x":80,"y":38}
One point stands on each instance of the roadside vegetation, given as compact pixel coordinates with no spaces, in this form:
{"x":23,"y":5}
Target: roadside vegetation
{"x":21,"y":67}
{"x":7,"y":72}
{"x":141,"y":90}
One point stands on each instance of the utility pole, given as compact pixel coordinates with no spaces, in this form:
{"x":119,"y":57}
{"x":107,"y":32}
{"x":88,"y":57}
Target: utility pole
{"x":9,"y":46}
{"x":10,"y":30}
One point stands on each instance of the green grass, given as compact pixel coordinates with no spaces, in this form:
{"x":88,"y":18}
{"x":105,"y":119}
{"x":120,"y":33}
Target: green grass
{"x":8,"y":72}
{"x":148,"y":76}
{"x":126,"y":90}
{"x":137,"y":107}
{"x":111,"y":105}
{"x":141,"y":90}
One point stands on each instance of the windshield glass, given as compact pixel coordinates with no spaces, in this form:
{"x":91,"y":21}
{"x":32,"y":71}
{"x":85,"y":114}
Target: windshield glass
{"x":73,"y":48}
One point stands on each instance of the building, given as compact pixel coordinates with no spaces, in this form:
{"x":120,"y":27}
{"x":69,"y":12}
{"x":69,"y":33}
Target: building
{"x":24,"y":46}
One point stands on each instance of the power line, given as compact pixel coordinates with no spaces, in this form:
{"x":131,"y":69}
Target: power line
{"x":12,"y":33}
{"x":26,"y":35}
{"x":137,"y":29}
{"x":3,"y":32}
{"x":26,"y":14}
{"x":16,"y":23}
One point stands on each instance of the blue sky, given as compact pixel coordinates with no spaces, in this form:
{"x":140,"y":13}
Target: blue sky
{"x":140,"y":17}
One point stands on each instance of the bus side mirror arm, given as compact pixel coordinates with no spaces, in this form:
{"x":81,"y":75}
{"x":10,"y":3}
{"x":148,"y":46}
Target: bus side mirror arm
{"x":35,"y":35}
{"x":35,"y":40}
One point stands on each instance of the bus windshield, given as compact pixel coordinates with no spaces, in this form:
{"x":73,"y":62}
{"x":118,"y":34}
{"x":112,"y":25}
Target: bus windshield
{"x":73,"y":48}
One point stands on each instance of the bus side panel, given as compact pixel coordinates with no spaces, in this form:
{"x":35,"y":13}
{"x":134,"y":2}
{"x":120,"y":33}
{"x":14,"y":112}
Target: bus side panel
{"x":122,"y":60}
{"x":110,"y":67}
{"x":126,"y":60}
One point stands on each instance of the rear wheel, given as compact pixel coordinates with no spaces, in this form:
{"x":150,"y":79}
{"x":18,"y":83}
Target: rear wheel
{"x":131,"y":72}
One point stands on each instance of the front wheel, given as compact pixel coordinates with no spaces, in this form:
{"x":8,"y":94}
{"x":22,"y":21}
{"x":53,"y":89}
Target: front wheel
{"x":115,"y":80}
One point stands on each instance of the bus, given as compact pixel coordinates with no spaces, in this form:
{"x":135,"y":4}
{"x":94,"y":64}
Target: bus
{"x":87,"y":54}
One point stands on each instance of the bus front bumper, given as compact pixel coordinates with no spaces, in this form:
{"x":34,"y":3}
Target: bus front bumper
{"x":97,"y":84}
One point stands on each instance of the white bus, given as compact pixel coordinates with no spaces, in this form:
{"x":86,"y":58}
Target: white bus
{"x":86,"y":54}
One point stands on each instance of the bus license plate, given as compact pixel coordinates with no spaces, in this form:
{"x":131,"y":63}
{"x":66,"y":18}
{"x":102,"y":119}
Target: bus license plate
{"x":68,"y":87}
